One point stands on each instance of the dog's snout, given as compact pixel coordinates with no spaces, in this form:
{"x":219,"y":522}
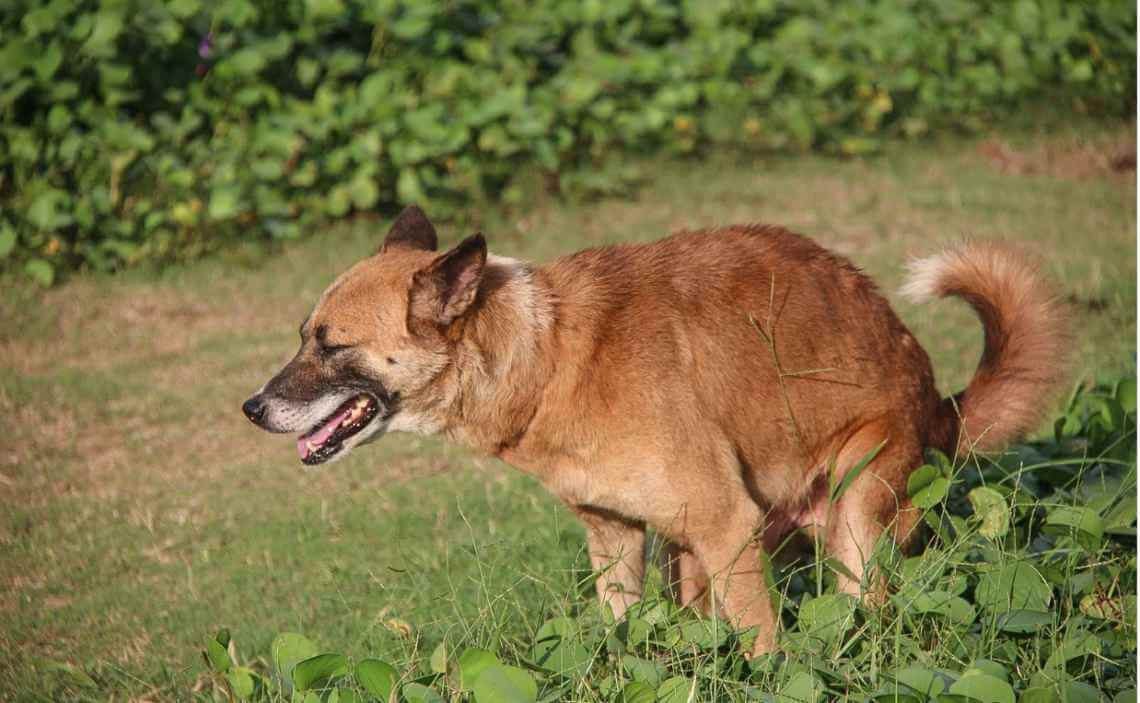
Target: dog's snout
{"x":254,"y":409}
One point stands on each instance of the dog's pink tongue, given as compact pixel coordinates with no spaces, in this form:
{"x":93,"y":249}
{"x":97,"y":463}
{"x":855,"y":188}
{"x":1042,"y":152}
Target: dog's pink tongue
{"x":318,"y":438}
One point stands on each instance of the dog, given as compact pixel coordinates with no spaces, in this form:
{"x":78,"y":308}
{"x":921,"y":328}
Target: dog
{"x":713,"y":386}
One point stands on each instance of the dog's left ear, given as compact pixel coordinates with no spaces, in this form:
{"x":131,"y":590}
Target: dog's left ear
{"x":412,"y":230}
{"x":446,"y":288}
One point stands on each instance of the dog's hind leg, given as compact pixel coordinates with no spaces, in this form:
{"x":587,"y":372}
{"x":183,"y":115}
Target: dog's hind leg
{"x":873,"y":508}
{"x":617,"y":555}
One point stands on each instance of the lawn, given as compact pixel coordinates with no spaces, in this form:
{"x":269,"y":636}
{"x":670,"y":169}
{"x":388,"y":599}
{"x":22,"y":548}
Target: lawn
{"x":142,"y":512}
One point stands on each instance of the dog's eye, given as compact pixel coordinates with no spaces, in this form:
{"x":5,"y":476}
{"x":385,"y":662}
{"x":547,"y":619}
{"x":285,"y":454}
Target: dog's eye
{"x":330,"y":349}
{"x":324,"y":346}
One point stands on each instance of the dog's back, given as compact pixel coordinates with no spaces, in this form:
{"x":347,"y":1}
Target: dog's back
{"x":753,"y":339}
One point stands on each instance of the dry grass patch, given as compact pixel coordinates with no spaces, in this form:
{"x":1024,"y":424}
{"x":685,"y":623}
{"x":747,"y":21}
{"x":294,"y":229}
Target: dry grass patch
{"x":1114,"y":157}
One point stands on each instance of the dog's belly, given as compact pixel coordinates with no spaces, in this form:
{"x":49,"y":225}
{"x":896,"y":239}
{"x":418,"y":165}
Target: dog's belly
{"x":781,"y":523}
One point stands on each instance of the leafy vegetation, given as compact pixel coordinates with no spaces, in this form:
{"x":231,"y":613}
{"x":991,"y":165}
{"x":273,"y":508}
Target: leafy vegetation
{"x":139,"y":130}
{"x":1026,"y":592}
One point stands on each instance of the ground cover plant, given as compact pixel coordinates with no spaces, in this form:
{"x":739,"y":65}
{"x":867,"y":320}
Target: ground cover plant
{"x":142,"y":515}
{"x":137,"y":130}
{"x":1027,"y":592}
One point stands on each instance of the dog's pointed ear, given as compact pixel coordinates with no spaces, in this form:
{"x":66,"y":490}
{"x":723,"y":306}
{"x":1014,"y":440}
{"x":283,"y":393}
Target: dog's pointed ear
{"x":412,"y":230}
{"x":445,"y":289}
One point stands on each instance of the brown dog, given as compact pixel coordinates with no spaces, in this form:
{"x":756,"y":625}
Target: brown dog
{"x":712,"y":386}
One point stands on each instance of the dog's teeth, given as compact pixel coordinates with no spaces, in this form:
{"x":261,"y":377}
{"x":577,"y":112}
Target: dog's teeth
{"x":311,"y":447}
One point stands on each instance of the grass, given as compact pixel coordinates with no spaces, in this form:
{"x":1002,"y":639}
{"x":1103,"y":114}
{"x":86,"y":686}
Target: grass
{"x":142,"y":513}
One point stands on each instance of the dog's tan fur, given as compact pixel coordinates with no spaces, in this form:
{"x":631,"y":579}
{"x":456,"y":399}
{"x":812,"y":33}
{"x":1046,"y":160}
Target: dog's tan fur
{"x":712,"y":385}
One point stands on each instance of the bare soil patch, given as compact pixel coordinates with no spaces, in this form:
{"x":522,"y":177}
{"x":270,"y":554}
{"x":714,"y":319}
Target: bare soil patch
{"x":1070,"y":158}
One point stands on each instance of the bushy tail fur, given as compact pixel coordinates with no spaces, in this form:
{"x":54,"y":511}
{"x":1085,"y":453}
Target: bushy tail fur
{"x":1027,"y":341}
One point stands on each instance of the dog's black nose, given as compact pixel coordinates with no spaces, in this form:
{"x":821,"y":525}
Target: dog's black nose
{"x":254,"y":409}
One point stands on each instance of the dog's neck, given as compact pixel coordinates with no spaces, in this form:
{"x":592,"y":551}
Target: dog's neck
{"x":503,"y":360}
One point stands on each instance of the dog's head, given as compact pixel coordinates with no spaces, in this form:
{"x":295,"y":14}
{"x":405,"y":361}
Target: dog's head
{"x":376,"y":345}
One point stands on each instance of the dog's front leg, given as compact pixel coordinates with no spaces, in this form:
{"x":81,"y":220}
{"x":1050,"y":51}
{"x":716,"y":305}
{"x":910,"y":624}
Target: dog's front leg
{"x":617,"y":555}
{"x":687,"y":579}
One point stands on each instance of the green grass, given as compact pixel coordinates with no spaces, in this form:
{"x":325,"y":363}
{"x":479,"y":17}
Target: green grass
{"x":142,"y":513}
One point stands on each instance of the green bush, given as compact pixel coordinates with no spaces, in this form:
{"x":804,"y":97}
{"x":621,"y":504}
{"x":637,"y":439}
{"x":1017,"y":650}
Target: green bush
{"x":135,"y":129}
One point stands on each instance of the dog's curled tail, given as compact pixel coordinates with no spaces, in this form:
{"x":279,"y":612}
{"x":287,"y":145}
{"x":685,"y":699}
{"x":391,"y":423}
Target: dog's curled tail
{"x":1027,"y":342}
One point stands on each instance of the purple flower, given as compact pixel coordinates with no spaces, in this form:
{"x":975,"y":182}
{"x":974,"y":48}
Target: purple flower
{"x":205,"y":45}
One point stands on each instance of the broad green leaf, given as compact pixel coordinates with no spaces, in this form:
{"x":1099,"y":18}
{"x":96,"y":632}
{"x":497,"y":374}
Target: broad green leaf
{"x":801,"y":688}
{"x":638,"y":692}
{"x":324,"y":9}
{"x":48,"y":62}
{"x":936,"y":458}
{"x":1039,"y":694}
{"x":318,"y":669}
{"x":343,"y":695}
{"x":419,"y":693}
{"x":409,"y":188}
{"x":1024,"y":621}
{"x":438,"y":661}
{"x":557,"y":647}
{"x":828,"y":617}
{"x":982,"y":687}
{"x":364,"y":192}
{"x":1013,"y":586}
{"x":634,"y":632}
{"x":472,"y":663}
{"x":7,"y":239}
{"x":1126,"y":394}
{"x":643,"y":670}
{"x":40,"y":271}
{"x":677,"y":689}
{"x":225,"y":202}
{"x":920,"y":680}
{"x":1069,"y":691}
{"x":376,"y":677}
{"x":505,"y":684}
{"x":991,"y":508}
{"x":988,"y":666}
{"x":339,"y":200}
{"x":242,"y":682}
{"x":926,"y":486}
{"x":49,"y":211}
{"x":1081,"y":692}
{"x":183,"y":8}
{"x":307,"y":71}
{"x":287,"y":650}
{"x":1073,"y":647}
{"x":939,"y":602}
{"x":706,"y":633}
{"x":655,"y":611}
{"x":1083,"y":524}
{"x":106,"y":27}
{"x":217,"y":656}
{"x":1119,"y":518}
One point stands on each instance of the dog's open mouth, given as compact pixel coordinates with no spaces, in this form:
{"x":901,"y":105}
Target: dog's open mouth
{"x":321,"y":443}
